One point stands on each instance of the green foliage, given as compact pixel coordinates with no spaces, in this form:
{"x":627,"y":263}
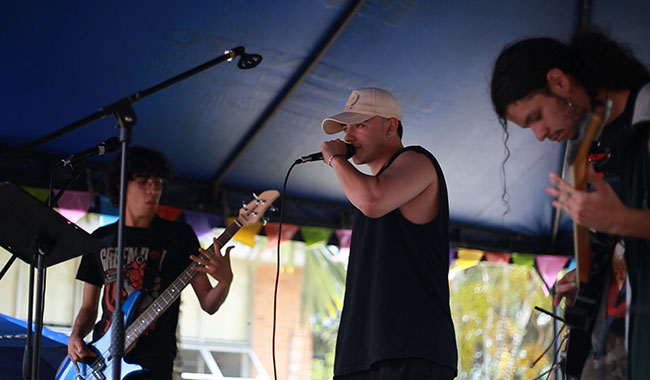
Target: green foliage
{"x":324,"y":330}
{"x":323,"y":283}
{"x":499,"y":334}
{"x":323,"y":286}
{"x":498,"y":331}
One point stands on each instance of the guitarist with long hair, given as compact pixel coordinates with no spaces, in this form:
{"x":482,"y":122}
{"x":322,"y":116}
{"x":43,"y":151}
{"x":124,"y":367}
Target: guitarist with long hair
{"x":156,"y":252}
{"x":549,"y":86}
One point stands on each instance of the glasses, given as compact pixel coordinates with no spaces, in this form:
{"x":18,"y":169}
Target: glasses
{"x":144,"y":182}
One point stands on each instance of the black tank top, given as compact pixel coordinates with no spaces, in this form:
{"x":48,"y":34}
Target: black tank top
{"x":397,"y":293}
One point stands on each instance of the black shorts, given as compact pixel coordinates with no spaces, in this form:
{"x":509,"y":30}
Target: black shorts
{"x":398,"y":369}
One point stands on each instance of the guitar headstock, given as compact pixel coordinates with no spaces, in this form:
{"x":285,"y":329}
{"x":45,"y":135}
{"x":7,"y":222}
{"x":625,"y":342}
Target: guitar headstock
{"x":253,"y":211}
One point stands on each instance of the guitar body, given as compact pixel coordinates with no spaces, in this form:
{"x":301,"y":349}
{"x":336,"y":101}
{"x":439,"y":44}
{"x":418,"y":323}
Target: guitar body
{"x":580,"y":317}
{"x":101,"y":368}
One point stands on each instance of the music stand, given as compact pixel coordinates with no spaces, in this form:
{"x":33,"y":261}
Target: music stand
{"x":41,"y":237}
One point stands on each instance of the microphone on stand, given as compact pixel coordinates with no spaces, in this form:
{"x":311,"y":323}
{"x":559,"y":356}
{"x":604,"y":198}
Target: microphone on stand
{"x":104,"y":147}
{"x":319,"y":156}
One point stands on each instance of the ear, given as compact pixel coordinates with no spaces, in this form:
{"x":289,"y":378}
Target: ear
{"x":559,"y":82}
{"x":391,"y":126}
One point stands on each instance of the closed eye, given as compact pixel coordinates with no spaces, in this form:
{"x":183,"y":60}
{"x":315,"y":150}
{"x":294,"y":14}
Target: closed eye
{"x":532,"y":118}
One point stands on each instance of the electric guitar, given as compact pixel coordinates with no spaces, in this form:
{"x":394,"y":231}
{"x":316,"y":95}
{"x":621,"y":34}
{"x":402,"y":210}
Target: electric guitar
{"x":101,"y":367}
{"x":591,"y":269}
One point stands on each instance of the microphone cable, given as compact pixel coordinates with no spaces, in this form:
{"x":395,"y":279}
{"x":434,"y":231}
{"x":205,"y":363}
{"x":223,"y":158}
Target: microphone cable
{"x":277,"y":270}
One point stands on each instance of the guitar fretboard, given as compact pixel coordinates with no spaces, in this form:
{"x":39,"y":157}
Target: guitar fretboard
{"x":173,"y":291}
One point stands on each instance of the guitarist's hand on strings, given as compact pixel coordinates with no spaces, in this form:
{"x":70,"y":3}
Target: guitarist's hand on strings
{"x":566,"y":287}
{"x":599,"y":209}
{"x":78,"y":350}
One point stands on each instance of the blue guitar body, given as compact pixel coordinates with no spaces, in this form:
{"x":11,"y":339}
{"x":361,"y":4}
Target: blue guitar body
{"x":101,"y":368}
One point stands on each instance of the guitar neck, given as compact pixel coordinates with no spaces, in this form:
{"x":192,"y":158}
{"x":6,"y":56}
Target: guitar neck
{"x":583,"y":253}
{"x":173,"y":291}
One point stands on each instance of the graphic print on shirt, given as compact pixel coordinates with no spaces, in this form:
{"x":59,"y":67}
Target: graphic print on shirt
{"x":143,"y":267}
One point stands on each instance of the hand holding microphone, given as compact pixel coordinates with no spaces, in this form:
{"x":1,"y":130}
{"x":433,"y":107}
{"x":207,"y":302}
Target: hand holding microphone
{"x":319,"y":155}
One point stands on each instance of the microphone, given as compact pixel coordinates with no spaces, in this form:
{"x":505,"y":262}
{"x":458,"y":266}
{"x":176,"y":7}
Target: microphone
{"x":319,"y":156}
{"x":104,"y":147}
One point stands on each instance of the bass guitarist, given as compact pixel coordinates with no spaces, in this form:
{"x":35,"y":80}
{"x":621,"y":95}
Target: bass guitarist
{"x":549,"y":86}
{"x":156,"y":252}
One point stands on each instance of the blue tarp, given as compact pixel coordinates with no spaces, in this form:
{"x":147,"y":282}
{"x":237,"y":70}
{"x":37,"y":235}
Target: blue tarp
{"x":229,"y":132}
{"x":13,"y":336}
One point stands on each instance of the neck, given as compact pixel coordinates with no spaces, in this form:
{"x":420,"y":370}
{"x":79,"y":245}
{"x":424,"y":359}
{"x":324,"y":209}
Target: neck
{"x":619,"y":101}
{"x":138,"y":221}
{"x":390,"y":149}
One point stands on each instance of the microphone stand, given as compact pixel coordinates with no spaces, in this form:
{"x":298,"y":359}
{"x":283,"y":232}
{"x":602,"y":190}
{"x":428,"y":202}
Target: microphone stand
{"x":126,"y":119}
{"x":40,"y":248}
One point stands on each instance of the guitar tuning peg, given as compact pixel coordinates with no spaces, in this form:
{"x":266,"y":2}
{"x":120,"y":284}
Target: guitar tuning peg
{"x":273,"y":208}
{"x":264,"y":221}
{"x":254,"y":213}
{"x":243,"y":206}
{"x":255,"y":196}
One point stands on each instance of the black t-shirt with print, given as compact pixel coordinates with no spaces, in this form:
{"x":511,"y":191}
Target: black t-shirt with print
{"x":154,"y":257}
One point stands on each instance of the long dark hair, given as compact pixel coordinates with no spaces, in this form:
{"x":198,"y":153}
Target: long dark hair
{"x":593,"y":59}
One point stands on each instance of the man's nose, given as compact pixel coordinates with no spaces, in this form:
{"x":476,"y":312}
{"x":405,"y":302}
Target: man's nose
{"x":349,"y":134}
{"x":540,"y":131}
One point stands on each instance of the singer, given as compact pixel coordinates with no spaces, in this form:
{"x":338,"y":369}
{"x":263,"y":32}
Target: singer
{"x":159,"y":251}
{"x":396,"y":322}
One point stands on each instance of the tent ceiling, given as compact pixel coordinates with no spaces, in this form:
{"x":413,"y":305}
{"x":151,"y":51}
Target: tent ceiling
{"x":235,"y":130}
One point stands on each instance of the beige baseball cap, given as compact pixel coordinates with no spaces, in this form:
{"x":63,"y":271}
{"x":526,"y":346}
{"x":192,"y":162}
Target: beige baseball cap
{"x":363,"y":104}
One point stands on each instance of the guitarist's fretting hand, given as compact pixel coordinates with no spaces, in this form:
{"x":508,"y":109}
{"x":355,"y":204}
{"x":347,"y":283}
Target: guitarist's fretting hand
{"x":216,"y":265}
{"x":600,"y":209}
{"x":566,"y":287}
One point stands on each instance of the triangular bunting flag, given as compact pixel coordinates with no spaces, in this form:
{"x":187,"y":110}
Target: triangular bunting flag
{"x":246,"y":234}
{"x":271,"y":231}
{"x":315,"y":235}
{"x":202,"y":222}
{"x":343,"y":236}
{"x":465,"y":258}
{"x":40,"y":194}
{"x":497,"y":258}
{"x":525,"y":259}
{"x":73,"y":205}
{"x":572,"y":264}
{"x":107,"y":219}
{"x":105,"y":206}
{"x":452,"y":255}
{"x":548,"y":267}
{"x":169,"y":212}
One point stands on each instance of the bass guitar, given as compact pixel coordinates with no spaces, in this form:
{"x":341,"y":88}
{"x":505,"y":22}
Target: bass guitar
{"x":591,"y":268}
{"x":101,"y":367}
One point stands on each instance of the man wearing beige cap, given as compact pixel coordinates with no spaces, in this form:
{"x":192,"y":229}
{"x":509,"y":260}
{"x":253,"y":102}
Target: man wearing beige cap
{"x":396,"y":322}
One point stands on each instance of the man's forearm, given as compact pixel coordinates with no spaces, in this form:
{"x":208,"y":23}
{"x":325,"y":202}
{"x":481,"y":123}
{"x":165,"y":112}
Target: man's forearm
{"x":215,"y":297}
{"x":83,"y":324}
